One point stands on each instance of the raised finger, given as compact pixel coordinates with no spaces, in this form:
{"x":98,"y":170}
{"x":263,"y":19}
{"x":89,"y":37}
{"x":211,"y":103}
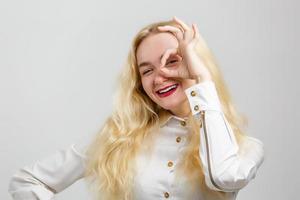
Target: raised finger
{"x":167,"y":54}
{"x":182,"y":24}
{"x":188,"y":32}
{"x":177,"y":32}
{"x":196,"y":31}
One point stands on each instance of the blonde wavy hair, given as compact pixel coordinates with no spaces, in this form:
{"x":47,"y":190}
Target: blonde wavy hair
{"x":110,"y":168}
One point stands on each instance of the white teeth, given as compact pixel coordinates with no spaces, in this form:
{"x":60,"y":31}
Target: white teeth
{"x":167,"y":89}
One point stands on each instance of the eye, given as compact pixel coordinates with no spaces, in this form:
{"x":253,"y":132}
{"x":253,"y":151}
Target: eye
{"x":172,"y":61}
{"x":146,"y":71}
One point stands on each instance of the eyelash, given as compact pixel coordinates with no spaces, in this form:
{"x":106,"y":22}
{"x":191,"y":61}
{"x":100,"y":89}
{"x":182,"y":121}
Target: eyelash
{"x":172,"y":61}
{"x":145,"y":72}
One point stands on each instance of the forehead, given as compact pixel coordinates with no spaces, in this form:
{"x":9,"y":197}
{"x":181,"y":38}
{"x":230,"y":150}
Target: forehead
{"x":153,"y":46}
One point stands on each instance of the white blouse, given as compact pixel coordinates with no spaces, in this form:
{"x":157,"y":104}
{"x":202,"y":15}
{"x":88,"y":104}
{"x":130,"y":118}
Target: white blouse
{"x":227,"y":166}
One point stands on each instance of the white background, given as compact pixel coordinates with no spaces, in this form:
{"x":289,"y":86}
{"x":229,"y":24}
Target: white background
{"x":59,"y":61}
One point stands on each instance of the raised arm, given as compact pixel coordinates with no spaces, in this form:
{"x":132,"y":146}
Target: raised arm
{"x":227,"y":166}
{"x":46,"y":177}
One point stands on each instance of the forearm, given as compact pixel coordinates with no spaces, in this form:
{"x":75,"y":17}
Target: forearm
{"x":225,"y":167}
{"x":42,"y":179}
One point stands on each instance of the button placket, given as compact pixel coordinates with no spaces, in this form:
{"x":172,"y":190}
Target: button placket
{"x":180,"y":138}
{"x":170,"y":179}
{"x":176,"y":140}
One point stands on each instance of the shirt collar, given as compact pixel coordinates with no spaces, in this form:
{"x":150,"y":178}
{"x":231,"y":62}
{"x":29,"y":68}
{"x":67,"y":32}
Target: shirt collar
{"x":165,"y":116}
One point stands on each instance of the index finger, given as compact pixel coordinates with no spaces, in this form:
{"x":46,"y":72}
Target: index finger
{"x":181,"y":23}
{"x":167,"y":54}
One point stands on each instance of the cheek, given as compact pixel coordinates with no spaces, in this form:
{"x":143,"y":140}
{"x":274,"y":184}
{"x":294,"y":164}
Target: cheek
{"x":147,"y":86}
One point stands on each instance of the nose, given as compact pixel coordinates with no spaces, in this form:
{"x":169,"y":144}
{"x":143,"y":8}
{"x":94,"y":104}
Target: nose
{"x":159,"y":78}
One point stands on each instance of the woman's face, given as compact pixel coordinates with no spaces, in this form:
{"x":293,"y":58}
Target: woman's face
{"x":166,"y":92}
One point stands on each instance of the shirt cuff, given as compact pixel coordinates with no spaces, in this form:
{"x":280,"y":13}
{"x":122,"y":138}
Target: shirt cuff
{"x":203,"y":96}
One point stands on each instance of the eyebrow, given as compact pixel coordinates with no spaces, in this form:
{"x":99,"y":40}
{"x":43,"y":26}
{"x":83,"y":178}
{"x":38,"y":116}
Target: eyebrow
{"x":148,"y":63}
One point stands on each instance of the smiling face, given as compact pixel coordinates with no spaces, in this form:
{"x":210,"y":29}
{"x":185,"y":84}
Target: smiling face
{"x":166,"y":92}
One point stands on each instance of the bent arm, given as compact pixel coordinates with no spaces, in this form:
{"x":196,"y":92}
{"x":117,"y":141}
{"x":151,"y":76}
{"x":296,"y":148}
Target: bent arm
{"x":227,"y":166}
{"x":44,"y":178}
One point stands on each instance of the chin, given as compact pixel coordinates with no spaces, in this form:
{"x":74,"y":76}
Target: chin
{"x":171,"y":105}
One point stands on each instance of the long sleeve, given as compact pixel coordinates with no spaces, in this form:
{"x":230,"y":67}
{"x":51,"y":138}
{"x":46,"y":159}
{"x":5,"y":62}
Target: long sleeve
{"x":46,"y":177}
{"x":227,"y":166}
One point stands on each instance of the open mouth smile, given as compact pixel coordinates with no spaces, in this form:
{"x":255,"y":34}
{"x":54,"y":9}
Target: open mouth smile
{"x":167,"y":91}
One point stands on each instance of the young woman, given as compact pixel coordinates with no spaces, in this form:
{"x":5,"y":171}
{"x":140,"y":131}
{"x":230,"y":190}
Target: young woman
{"x":174,"y":131}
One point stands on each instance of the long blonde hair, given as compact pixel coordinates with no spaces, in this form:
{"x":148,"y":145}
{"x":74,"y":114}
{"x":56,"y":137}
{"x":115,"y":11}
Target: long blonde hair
{"x":110,"y":168}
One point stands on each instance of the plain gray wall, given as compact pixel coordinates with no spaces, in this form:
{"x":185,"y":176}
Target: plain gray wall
{"x":59,"y":61}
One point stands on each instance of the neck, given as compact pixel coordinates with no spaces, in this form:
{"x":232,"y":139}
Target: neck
{"x":182,"y":111}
